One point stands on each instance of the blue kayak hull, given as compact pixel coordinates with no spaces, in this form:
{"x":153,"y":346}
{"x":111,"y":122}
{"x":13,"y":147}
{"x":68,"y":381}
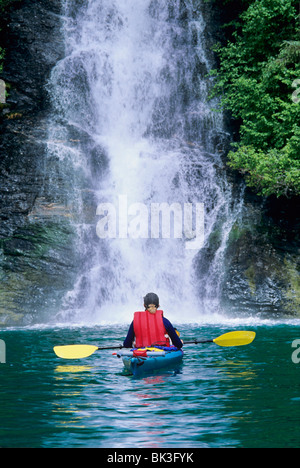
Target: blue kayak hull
{"x":141,"y":365}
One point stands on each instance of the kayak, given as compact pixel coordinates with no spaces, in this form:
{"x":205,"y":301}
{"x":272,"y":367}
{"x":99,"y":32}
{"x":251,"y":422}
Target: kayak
{"x":147,"y":360}
{"x":139,"y":361}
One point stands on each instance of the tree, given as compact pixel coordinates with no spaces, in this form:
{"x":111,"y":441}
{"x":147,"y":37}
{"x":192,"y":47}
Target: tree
{"x":258,"y":67}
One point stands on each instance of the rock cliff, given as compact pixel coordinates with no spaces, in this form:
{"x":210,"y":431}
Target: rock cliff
{"x":38,"y":260}
{"x":32,"y":231}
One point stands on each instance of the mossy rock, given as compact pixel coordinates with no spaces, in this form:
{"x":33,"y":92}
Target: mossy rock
{"x":37,"y":267}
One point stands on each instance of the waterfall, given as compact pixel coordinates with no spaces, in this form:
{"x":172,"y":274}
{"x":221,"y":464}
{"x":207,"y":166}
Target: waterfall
{"x":132,"y":129}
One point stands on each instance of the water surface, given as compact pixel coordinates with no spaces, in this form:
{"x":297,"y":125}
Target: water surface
{"x":218,"y":397}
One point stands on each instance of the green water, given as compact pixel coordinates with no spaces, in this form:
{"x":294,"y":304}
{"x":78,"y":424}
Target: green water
{"x":218,"y":397}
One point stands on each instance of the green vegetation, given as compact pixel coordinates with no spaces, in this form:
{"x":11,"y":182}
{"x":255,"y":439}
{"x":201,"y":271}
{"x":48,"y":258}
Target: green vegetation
{"x":258,"y":74}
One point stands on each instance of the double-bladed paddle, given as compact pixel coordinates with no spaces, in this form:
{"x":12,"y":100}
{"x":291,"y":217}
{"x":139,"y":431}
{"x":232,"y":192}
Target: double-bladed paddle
{"x":235,"y":338}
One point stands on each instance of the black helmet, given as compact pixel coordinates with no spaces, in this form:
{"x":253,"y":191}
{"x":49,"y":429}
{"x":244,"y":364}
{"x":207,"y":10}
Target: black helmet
{"x":151,"y":298}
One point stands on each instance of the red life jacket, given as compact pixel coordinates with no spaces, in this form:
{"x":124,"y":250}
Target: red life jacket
{"x":149,"y":329}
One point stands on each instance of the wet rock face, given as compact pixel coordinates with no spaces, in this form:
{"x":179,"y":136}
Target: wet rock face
{"x":35,"y":249}
{"x":20,"y":172}
{"x":262,"y":259}
{"x":31,"y":38}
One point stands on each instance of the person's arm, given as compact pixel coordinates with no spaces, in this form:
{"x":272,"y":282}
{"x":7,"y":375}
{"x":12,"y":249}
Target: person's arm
{"x":172,"y":333}
{"x":129,"y":338}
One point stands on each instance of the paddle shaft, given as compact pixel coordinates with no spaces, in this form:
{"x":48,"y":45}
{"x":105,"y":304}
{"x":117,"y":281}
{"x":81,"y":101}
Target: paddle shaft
{"x":111,"y":347}
{"x":198,"y":342}
{"x":185,"y":342}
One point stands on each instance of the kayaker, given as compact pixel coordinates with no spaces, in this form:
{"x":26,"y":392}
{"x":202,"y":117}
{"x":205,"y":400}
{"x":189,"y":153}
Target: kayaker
{"x":150,"y":327}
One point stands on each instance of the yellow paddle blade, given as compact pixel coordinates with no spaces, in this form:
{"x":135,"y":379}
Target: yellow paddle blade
{"x":74,"y":351}
{"x":235,"y":338}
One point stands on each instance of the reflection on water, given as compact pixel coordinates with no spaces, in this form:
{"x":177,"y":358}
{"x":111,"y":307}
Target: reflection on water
{"x":72,"y":369}
{"x":236,"y":369}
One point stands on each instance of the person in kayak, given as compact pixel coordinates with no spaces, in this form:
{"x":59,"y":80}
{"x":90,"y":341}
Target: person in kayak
{"x":150,"y":327}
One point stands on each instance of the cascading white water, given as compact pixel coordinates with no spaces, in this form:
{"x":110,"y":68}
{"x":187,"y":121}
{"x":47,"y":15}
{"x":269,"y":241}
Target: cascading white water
{"x":133,"y":90}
